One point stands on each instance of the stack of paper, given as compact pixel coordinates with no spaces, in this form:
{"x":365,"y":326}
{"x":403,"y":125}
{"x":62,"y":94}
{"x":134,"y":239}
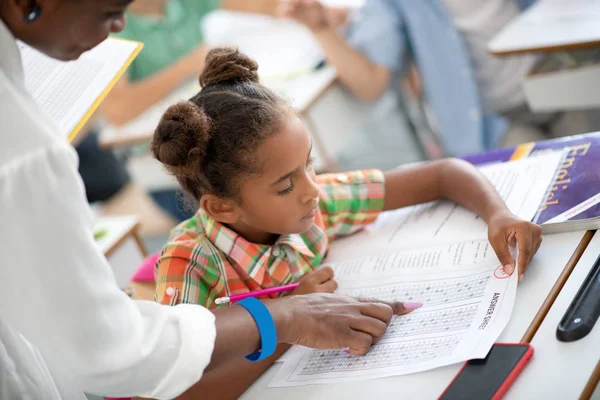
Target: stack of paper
{"x":437,"y":254}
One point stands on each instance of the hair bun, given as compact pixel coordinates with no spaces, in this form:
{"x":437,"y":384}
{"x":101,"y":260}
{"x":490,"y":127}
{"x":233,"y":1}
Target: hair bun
{"x":182,"y":135}
{"x":227,"y":64}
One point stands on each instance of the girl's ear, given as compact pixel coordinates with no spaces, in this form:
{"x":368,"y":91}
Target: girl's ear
{"x":222,"y":210}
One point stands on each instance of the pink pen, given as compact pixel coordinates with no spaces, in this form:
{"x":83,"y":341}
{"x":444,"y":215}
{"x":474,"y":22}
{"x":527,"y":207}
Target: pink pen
{"x":257,"y":293}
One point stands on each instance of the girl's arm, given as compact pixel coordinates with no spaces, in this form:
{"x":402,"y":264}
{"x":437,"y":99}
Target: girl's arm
{"x":460,"y":182}
{"x":451,"y":179}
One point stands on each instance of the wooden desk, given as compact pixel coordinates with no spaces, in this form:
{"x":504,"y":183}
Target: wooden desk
{"x":117,"y":230}
{"x":542,"y":275}
{"x":550,"y":26}
{"x":121,"y":245}
{"x":567,"y":370}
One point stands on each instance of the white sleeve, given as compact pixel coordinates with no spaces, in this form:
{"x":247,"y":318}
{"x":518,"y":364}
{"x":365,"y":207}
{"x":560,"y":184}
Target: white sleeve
{"x":58,"y":290}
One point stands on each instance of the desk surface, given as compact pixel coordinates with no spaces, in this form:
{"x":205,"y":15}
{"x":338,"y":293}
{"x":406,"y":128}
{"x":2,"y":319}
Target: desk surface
{"x":564,"y":368}
{"x":541,"y":276}
{"x":551,"y":25}
{"x":117,"y":229}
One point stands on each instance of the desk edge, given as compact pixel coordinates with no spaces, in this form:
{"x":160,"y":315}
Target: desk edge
{"x":547,"y":49}
{"x":130,"y":232}
{"x":591,"y":384}
{"x":558,"y":285}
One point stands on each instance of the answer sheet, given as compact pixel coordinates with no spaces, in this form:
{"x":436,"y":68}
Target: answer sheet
{"x":67,"y":90}
{"x":465,"y":308}
{"x":467,"y":296}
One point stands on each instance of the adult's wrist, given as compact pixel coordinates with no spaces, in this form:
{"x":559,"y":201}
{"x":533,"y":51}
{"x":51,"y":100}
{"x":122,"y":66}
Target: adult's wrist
{"x":282,"y":311}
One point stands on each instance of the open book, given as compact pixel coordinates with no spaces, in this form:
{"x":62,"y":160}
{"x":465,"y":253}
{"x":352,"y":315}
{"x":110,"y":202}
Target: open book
{"x":437,"y":254}
{"x":71,"y":91}
{"x":573,"y":203}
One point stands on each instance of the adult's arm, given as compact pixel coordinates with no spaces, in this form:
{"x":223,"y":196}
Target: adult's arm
{"x":58,"y":290}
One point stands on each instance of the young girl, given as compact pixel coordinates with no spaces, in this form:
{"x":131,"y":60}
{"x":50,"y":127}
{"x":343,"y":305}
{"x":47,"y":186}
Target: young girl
{"x":265,"y":219}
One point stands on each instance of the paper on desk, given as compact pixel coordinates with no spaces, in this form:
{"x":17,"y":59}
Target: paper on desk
{"x":283,"y":49}
{"x":465,"y":309}
{"x":69,"y":91}
{"x":467,"y":297}
{"x":523,"y":184}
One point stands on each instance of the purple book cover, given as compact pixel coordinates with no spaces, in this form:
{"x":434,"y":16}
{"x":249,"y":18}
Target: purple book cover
{"x":575,"y":194}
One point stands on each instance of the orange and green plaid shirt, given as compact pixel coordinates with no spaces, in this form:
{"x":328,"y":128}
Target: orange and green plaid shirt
{"x":205,"y":260}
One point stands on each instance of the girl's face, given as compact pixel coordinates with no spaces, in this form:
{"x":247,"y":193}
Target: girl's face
{"x":283,"y":197}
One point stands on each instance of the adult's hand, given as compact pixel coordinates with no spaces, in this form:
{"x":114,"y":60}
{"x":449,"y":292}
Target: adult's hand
{"x":329,"y":321}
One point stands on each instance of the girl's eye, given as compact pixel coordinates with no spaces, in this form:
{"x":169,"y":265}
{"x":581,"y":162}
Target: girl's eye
{"x":310,"y":162}
{"x":287,"y":189}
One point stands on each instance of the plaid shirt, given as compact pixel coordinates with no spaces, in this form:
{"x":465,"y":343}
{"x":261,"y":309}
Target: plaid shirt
{"x":205,"y":259}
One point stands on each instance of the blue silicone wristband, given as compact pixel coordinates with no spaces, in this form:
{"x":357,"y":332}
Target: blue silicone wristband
{"x":266,"y":328}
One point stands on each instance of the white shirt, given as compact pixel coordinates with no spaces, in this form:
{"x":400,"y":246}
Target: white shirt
{"x":499,"y":79}
{"x":57,"y":291}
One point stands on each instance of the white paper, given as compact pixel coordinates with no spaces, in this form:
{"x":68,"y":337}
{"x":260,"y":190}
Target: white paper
{"x":67,"y":90}
{"x":293,"y":353}
{"x":523,"y":184}
{"x":466,"y":307}
{"x":453,"y":256}
{"x":282,"y":48}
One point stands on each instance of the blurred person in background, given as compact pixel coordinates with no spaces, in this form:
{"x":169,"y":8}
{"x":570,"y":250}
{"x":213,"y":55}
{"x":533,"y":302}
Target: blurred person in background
{"x":173,"y":54}
{"x":476,"y":98}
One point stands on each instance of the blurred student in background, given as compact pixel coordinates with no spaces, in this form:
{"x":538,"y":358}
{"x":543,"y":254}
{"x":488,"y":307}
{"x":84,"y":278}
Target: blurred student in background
{"x":476,"y":98}
{"x":173,"y":53}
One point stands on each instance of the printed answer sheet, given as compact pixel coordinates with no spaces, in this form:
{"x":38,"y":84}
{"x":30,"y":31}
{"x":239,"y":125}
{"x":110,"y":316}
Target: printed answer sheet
{"x":523,"y":184}
{"x":437,"y":254}
{"x":467,"y":301}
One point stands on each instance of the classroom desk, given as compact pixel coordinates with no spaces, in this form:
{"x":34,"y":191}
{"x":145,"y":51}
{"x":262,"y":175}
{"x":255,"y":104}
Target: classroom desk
{"x":121,"y":245}
{"x":566,"y":79}
{"x":550,"y":26}
{"x":556,"y":252}
{"x":564,"y":368}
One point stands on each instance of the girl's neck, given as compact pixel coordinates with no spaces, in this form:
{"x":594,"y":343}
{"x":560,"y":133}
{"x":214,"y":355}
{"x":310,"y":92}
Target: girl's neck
{"x":155,"y":8}
{"x":254,"y":236}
